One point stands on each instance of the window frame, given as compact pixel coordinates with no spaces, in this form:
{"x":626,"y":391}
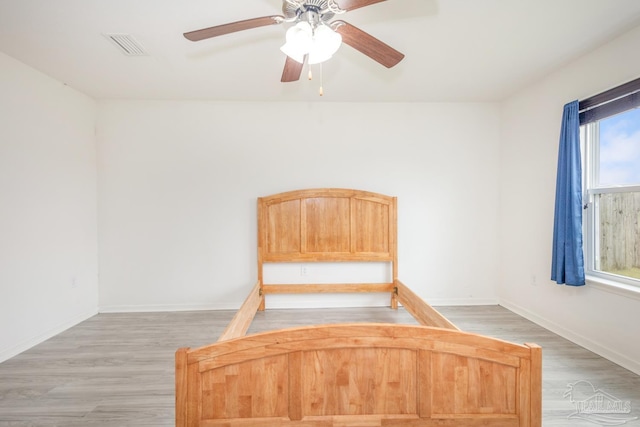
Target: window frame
{"x":590,"y":145}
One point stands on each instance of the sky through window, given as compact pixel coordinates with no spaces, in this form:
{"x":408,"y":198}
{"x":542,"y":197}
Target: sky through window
{"x":620,"y":149}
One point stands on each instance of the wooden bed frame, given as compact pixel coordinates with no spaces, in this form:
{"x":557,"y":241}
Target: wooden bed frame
{"x":351,"y":375}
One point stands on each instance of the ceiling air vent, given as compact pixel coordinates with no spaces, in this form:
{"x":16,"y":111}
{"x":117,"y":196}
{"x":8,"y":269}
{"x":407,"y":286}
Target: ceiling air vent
{"x":127,"y":44}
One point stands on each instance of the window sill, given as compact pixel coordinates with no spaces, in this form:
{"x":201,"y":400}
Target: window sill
{"x":614,"y":287}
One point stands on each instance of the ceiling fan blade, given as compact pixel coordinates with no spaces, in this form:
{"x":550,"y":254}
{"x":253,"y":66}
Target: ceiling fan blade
{"x":355,"y":4}
{"x":292,"y":70}
{"x":367,"y":44}
{"x":233,"y":27}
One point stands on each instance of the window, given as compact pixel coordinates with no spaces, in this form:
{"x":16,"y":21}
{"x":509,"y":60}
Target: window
{"x":610,"y":136}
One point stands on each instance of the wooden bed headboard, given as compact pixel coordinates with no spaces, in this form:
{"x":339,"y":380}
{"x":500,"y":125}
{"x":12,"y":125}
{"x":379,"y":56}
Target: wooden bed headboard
{"x":327,"y":225}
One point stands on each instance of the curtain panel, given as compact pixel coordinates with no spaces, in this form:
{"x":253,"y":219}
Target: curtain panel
{"x":567,"y":266}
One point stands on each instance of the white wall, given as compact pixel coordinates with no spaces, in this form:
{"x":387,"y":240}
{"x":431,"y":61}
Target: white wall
{"x":48,"y":224}
{"x":178,"y":183}
{"x":602,"y":321}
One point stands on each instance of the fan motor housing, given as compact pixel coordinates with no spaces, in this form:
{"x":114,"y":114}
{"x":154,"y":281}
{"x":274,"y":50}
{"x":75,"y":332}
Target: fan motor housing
{"x":291,"y":10}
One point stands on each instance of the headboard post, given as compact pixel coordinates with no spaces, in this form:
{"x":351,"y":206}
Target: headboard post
{"x":394,"y":251}
{"x":261,"y":221}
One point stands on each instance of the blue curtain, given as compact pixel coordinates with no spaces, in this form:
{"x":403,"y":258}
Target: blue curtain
{"x":567,"y":266}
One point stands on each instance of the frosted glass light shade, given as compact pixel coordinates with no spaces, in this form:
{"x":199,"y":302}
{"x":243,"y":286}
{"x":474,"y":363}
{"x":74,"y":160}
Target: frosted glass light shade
{"x":320,"y":44}
{"x":325,"y":43}
{"x":299,"y":41}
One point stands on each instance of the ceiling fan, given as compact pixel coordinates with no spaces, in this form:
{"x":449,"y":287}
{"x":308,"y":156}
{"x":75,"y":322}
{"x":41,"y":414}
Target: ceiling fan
{"x":314,"y":37}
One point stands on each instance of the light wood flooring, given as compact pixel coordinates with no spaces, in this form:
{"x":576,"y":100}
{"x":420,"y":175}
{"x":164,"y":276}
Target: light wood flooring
{"x":117,"y":369}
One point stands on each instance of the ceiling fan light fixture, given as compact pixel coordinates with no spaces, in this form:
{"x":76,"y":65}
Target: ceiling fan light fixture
{"x":320,"y":44}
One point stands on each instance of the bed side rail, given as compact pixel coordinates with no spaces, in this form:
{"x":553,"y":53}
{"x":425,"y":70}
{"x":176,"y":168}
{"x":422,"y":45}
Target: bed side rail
{"x":420,"y":310}
{"x":244,"y":316}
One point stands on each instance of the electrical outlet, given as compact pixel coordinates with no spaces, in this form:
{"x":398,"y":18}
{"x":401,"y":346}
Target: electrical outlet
{"x":534,"y":280}
{"x":303,"y":270}
{"x":74,"y":282}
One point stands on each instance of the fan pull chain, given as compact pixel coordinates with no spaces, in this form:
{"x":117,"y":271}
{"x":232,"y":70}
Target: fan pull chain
{"x":321,"y":91}
{"x":310,"y":74}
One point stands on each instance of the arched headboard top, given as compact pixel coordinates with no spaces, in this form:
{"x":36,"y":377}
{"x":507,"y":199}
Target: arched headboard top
{"x":327,"y":224}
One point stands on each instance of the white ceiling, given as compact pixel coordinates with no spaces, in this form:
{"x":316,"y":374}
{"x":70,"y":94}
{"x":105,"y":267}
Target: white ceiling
{"x":456,"y":50}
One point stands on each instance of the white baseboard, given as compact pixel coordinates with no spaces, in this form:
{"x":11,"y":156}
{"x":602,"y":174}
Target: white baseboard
{"x":8,"y":353}
{"x":607,"y":353}
{"x":461,"y":301}
{"x":153,"y":308}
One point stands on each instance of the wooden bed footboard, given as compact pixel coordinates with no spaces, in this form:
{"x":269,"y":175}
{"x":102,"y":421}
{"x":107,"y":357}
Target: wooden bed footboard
{"x":359,"y":375}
